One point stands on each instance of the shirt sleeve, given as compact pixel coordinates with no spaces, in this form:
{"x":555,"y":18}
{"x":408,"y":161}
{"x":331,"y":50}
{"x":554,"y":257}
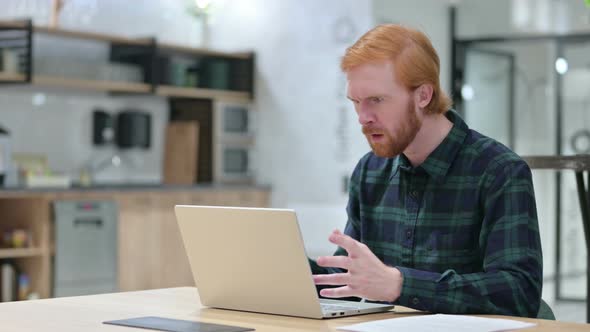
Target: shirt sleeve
{"x":511,"y":280}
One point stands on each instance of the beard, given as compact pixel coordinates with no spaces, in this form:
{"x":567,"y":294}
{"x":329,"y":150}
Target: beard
{"x":390,"y":146}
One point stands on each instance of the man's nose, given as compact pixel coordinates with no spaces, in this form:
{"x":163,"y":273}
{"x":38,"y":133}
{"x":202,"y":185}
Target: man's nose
{"x":365,"y":116}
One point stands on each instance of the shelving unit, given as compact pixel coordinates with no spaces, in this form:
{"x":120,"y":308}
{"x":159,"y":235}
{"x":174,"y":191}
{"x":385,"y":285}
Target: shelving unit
{"x":29,"y":213}
{"x":72,"y":83}
{"x":82,"y":84}
{"x":203,"y":51}
{"x":152,"y":57}
{"x":91,"y":36}
{"x":20,"y":252}
{"x":175,"y":91}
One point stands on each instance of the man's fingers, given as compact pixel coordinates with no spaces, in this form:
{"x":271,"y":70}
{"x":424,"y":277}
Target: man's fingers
{"x":344,"y":241}
{"x":342,"y":262}
{"x":343,"y":291}
{"x":331,"y":279}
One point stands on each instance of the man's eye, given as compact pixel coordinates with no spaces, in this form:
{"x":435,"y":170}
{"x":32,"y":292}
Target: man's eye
{"x":376,"y":100}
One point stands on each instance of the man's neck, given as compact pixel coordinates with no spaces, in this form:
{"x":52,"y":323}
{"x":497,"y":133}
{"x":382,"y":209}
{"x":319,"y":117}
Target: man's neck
{"x":435,"y":128}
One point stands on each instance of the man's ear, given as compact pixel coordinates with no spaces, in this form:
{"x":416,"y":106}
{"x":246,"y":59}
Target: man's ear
{"x":423,"y":95}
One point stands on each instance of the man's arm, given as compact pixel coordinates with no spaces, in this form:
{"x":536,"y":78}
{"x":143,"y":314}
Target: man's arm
{"x":511,"y":281}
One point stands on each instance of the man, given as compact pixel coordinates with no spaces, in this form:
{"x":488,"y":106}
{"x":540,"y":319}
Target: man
{"x":440,"y":217}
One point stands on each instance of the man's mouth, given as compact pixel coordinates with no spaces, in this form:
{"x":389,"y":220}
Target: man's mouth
{"x":375,"y":137}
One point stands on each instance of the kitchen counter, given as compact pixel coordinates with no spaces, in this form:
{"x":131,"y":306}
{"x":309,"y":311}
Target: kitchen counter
{"x":150,"y":250}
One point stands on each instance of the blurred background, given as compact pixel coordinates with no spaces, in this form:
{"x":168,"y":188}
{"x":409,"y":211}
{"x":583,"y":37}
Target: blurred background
{"x":114,"y":111}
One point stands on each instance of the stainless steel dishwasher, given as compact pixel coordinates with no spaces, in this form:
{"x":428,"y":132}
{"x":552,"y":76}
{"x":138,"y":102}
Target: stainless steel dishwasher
{"x":85,"y":260}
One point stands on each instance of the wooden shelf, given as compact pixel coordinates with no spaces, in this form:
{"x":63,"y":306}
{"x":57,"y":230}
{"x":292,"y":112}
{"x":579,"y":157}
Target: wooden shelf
{"x":75,"y":83}
{"x":13,"y":24}
{"x":175,"y":91}
{"x":125,"y":40}
{"x":92,"y":36}
{"x":203,"y":51}
{"x":129,"y":87}
{"x":10,"y":77}
{"x":20,"y":252}
{"x":107,"y":86}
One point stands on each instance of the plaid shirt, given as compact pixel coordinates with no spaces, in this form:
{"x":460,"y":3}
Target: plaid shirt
{"x":461,"y":227}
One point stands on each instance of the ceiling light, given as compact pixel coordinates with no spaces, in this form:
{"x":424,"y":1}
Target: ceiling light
{"x":561,"y":66}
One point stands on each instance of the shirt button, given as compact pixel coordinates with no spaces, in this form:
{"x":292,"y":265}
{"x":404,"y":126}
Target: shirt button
{"x":415,"y":301}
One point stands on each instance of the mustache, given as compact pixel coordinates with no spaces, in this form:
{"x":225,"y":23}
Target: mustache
{"x":371,"y":130}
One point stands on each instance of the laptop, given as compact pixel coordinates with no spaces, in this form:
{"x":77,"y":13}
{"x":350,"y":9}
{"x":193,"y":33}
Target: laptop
{"x":253,"y":259}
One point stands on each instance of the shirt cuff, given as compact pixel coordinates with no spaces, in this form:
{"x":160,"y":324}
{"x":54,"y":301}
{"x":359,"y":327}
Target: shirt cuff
{"x":419,"y":289}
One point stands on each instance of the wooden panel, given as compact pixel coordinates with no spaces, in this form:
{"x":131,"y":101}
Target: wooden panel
{"x":13,"y":24}
{"x":28,"y":213}
{"x":259,"y":198}
{"x":151,"y":252}
{"x":20,"y":252}
{"x":175,"y":269}
{"x":139,"y":243}
{"x":243,"y":198}
{"x":203,"y":51}
{"x":12,"y":77}
{"x":32,"y":214}
{"x":73,"y":83}
{"x":201,"y":111}
{"x":176,"y":91}
{"x":91,"y":35}
{"x":181,"y":152}
{"x":38,"y":270}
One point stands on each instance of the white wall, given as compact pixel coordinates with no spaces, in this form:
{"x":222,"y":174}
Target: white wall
{"x":61,"y":129}
{"x":299,"y":91}
{"x":429,"y":16}
{"x":502,"y":17}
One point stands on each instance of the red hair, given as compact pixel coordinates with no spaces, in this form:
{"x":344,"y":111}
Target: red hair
{"x":414,"y":59}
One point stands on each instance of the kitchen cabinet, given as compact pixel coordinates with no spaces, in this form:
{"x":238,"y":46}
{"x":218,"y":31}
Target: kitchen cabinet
{"x":150,"y":250}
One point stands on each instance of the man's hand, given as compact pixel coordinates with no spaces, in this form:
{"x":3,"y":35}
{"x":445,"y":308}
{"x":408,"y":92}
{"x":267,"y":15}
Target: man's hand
{"x":366,"y":275}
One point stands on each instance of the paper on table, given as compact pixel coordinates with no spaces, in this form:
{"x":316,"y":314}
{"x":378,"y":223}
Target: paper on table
{"x":439,"y":323}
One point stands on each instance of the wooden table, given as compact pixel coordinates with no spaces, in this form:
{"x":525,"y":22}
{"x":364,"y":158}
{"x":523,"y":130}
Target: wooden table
{"x":86,"y":313}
